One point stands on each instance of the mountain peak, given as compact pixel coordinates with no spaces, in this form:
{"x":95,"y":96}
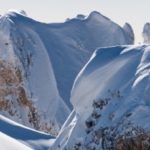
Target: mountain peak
{"x":14,"y":14}
{"x":97,"y":15}
{"x":23,"y":12}
{"x":129,"y":30}
{"x":81,"y":16}
{"x":146,"y":33}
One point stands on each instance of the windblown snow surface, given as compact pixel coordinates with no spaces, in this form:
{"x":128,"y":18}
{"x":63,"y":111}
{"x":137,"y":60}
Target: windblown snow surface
{"x":14,"y":136}
{"x":111,"y":100}
{"x":39,"y":62}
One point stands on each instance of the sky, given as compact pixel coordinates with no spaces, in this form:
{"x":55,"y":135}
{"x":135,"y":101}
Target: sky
{"x":136,"y":12}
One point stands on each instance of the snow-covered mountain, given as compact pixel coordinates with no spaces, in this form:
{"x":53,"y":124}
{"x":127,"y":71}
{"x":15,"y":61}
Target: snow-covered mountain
{"x":111,"y":100}
{"x":39,"y":62}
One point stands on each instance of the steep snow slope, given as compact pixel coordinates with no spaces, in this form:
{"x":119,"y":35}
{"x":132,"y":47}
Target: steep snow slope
{"x":73,"y":40}
{"x":42,"y":61}
{"x":29,"y":92}
{"x":16,"y":136}
{"x":76,"y":40}
{"x":111,"y":99}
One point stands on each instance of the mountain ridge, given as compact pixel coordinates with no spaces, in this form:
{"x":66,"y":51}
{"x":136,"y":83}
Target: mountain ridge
{"x":111,"y":101}
{"x":46,"y":59}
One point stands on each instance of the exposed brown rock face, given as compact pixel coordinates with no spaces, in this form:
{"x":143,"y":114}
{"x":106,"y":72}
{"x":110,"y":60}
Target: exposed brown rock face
{"x":8,"y":87}
{"x":14,"y":98}
{"x":140,"y":142}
